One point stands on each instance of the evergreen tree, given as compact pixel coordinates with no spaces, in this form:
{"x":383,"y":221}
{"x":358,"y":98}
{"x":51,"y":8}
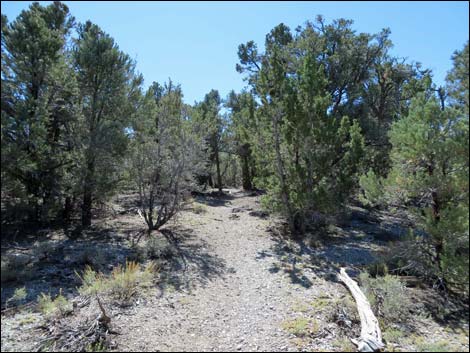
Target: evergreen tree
{"x":430,"y":168}
{"x":209,"y":115}
{"x":38,"y":107}
{"x":457,"y":79}
{"x":307,"y":156}
{"x":106,"y":80}
{"x":243,"y":109}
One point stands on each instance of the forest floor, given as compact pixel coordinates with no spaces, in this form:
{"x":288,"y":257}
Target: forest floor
{"x":232,"y":283}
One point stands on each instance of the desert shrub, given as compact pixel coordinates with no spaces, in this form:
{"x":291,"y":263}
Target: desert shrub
{"x":52,"y":307}
{"x":18,"y":296}
{"x":301,"y":326}
{"x":92,"y":282}
{"x":122,"y":284}
{"x":158,"y":248}
{"x":96,"y":347}
{"x":377,"y":269}
{"x":126,"y":280}
{"x":424,"y":345}
{"x":92,"y":256}
{"x":387,"y":295}
{"x":344,"y":344}
{"x":393,"y":335}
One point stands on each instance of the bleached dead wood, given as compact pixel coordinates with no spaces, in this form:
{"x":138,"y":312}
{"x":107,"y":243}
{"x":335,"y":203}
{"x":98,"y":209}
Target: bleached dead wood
{"x":371,"y":336}
{"x":141,"y":215}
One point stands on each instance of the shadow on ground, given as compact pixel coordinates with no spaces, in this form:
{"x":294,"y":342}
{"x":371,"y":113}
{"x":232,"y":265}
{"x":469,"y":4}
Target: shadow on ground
{"x":51,"y":266}
{"x":191,"y":265}
{"x":214,"y":198}
{"x":352,"y":245}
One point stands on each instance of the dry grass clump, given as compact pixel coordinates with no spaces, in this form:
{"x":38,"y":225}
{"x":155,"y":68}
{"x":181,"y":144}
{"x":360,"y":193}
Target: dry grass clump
{"x":122,"y":284}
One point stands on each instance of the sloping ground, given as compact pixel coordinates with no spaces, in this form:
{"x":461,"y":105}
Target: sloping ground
{"x":232,"y":285}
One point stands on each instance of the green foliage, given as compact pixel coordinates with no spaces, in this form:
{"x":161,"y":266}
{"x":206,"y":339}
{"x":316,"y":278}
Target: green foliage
{"x":38,"y":106}
{"x":378,"y":269}
{"x":301,"y":326}
{"x":457,"y":79}
{"x":344,"y":344}
{"x":423,"y":345}
{"x":53,"y":307}
{"x":373,"y":189}
{"x":122,"y":284}
{"x":167,"y":151}
{"x":158,"y":247}
{"x":107,"y":97}
{"x":387,"y":295}
{"x":244,"y":124}
{"x":18,"y":296}
{"x":393,"y":335}
{"x":430,"y":171}
{"x":92,"y":282}
{"x":306,"y":156}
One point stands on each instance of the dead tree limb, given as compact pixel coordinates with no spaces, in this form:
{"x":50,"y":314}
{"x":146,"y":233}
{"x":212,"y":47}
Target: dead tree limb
{"x":371,"y":336}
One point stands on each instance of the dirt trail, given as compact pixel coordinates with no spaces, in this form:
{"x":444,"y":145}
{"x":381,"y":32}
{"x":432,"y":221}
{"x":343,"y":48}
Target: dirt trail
{"x":234,"y":299}
{"x":230,"y":285}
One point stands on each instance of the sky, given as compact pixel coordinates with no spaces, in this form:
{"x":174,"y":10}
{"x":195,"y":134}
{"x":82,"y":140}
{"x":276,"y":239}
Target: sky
{"x":195,"y":43}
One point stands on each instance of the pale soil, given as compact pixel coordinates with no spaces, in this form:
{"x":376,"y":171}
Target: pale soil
{"x":234,"y":285}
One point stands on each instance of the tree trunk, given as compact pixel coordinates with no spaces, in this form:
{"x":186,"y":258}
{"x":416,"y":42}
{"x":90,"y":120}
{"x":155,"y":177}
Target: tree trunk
{"x":45,"y":207}
{"x":436,"y":215}
{"x":246,"y":174}
{"x":282,"y":177}
{"x":86,"y":208}
{"x":88,"y":194}
{"x":244,"y":152}
{"x":67,"y":209}
{"x":219,"y":176}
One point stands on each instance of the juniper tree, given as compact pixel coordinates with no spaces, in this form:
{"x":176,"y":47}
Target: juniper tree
{"x":38,"y":106}
{"x":106,"y":79}
{"x":208,"y":114}
{"x":243,"y":123}
{"x":429,"y":174}
{"x":167,"y":152}
{"x":307,"y":156}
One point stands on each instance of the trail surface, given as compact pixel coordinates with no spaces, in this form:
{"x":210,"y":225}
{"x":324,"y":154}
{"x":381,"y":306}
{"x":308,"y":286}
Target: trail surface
{"x":232,"y":295}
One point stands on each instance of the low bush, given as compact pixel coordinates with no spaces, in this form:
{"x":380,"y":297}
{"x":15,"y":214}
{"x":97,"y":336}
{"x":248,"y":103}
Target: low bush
{"x":158,"y":247}
{"x":122,"y":284}
{"x":92,"y":257}
{"x":53,"y":307}
{"x":387,"y":296}
{"x":18,"y":296}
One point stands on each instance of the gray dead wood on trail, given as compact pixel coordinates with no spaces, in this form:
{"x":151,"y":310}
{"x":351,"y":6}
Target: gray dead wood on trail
{"x":371,"y":336}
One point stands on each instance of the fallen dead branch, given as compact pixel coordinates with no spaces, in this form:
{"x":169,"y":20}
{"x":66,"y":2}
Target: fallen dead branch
{"x":371,"y":336}
{"x":90,"y":334}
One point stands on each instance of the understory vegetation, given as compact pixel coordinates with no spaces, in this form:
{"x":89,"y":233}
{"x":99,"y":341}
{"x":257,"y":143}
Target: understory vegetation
{"x":329,"y":118}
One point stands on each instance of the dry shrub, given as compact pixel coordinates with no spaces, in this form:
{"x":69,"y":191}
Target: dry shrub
{"x":122,"y":284}
{"x":387,"y":296}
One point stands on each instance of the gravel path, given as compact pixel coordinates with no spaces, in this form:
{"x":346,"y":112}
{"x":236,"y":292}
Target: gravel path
{"x":232,"y":285}
{"x":235,"y":300}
